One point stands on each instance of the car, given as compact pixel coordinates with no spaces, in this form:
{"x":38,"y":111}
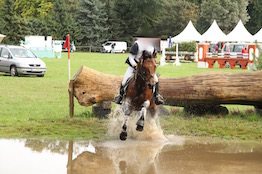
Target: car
{"x":114,"y":46}
{"x":18,"y":60}
{"x":234,"y":48}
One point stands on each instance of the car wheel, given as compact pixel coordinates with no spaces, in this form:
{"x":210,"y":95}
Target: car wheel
{"x":123,"y":51}
{"x":13,"y":71}
{"x":41,"y":75}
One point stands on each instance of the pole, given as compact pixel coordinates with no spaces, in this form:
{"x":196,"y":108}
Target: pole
{"x":68,"y":50}
{"x":71,"y":98}
{"x":71,"y":82}
{"x":177,"y":62}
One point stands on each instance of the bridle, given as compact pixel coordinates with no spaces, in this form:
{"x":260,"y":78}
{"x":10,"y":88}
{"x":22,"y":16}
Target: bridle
{"x":143,"y":75}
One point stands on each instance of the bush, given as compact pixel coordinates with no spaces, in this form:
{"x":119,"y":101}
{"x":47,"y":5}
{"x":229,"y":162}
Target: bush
{"x":184,"y":46}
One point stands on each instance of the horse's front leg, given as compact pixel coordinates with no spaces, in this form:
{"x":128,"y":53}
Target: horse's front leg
{"x":123,"y":134}
{"x":141,"y":121}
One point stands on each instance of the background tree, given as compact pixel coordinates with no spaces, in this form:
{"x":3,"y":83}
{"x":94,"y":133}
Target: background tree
{"x":13,"y":26}
{"x":91,"y":17}
{"x":174,"y":18}
{"x":255,"y":11}
{"x":60,"y":20}
{"x":32,"y":9}
{"x":125,"y":20}
{"x":226,"y":12}
{"x":109,"y":23}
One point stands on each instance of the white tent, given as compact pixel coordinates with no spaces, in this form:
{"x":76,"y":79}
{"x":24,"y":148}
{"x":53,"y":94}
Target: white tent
{"x":188,"y":34}
{"x":239,"y":34}
{"x":213,"y":34}
{"x":1,"y":37}
{"x":258,"y":36}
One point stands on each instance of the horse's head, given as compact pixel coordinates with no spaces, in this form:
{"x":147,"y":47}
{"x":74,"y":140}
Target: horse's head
{"x":147,"y":67}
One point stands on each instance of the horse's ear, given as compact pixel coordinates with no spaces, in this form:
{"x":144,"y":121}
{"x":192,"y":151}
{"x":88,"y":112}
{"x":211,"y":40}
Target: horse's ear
{"x":146,"y":54}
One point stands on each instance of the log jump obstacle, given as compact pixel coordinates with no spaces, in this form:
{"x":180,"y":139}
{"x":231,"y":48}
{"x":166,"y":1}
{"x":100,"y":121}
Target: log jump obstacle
{"x":204,"y":91}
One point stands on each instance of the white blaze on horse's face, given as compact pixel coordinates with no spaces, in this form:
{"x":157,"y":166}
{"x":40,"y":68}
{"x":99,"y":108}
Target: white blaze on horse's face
{"x":150,"y":69}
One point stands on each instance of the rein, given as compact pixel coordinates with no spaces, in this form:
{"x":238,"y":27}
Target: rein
{"x":143,"y":77}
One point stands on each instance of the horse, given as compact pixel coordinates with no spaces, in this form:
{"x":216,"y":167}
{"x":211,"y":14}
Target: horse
{"x":139,"y":92}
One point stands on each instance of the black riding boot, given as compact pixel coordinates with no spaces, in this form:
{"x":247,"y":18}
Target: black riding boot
{"x":158,"y":98}
{"x":119,"y":98}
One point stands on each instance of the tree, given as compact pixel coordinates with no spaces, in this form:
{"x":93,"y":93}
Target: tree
{"x":32,"y":9}
{"x":14,"y":27}
{"x":125,"y":20}
{"x":109,"y":23}
{"x":61,"y":21}
{"x":136,"y":17}
{"x":227,"y":13}
{"x":91,"y":17}
{"x":174,"y":18}
{"x":255,"y":11}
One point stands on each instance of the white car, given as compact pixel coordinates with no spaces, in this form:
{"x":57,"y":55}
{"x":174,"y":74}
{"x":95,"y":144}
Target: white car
{"x":114,"y":46}
{"x":18,"y":60}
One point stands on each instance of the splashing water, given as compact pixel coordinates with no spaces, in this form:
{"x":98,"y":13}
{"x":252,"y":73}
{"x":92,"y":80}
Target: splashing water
{"x":152,"y":129}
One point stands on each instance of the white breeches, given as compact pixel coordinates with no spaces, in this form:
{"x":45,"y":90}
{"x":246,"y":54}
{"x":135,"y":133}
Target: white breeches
{"x":130,"y":72}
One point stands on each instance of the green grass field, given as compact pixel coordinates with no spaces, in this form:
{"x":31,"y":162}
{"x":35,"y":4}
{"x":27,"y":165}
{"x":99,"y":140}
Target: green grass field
{"x":38,"y":107}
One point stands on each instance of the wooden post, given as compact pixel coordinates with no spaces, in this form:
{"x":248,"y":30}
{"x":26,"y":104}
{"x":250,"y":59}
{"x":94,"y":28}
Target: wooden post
{"x":70,"y":157}
{"x":71,"y":98}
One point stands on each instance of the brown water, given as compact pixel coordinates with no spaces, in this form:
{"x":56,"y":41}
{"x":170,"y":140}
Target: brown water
{"x":174,"y":155}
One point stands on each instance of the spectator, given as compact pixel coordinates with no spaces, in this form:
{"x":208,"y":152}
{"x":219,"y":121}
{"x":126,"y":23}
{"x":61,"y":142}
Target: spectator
{"x":113,"y":48}
{"x":244,"y":50}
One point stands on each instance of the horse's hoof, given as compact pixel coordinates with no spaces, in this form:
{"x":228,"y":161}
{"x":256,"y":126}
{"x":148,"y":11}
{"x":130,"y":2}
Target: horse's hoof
{"x":139,"y":128}
{"x":123,"y":136}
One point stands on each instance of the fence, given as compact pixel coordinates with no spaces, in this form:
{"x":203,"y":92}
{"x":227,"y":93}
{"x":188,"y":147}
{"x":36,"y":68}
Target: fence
{"x":92,"y":49}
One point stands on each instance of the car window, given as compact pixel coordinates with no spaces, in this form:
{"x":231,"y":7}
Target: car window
{"x":238,"y":48}
{"x":22,"y":53}
{"x":231,"y":48}
{"x":108,"y":43}
{"x":5,"y":53}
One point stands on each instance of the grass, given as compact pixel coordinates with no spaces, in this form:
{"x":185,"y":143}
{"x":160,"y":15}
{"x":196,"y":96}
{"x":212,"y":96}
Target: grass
{"x":33,"y":107}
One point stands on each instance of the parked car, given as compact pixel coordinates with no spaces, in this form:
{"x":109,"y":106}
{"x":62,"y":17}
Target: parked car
{"x":117,"y":46}
{"x":18,"y":60}
{"x":234,"y":48}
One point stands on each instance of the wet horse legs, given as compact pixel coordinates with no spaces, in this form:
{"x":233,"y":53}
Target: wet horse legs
{"x":140,"y":122}
{"x":123,"y":134}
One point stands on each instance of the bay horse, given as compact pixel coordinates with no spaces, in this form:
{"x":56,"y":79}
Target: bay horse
{"x":139,"y":93}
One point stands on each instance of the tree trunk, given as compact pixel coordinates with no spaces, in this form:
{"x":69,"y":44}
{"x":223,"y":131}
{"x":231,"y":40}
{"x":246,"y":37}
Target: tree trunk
{"x":214,"y":88}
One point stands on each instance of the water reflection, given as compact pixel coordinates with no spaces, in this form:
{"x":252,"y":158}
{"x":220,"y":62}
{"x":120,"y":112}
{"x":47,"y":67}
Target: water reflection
{"x":177,"y":155}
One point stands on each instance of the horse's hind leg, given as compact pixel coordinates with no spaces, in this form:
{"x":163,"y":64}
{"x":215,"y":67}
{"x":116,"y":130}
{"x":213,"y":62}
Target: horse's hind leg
{"x":141,"y":121}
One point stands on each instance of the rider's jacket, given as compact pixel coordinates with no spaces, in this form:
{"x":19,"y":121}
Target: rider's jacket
{"x":137,"y":50}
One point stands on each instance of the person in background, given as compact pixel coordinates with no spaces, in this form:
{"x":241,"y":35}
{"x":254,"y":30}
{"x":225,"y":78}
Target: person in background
{"x":113,"y":48}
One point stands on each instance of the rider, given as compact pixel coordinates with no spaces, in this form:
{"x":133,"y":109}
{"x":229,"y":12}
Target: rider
{"x":135,"y":54}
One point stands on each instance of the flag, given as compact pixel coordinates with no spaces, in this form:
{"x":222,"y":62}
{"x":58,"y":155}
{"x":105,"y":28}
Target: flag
{"x":67,"y":43}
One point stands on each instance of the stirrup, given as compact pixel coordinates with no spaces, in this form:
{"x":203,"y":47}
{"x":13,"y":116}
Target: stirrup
{"x":159,"y":100}
{"x":118,"y":99}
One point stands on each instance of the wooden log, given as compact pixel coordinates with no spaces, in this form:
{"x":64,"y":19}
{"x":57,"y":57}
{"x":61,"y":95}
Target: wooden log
{"x":214,"y":88}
